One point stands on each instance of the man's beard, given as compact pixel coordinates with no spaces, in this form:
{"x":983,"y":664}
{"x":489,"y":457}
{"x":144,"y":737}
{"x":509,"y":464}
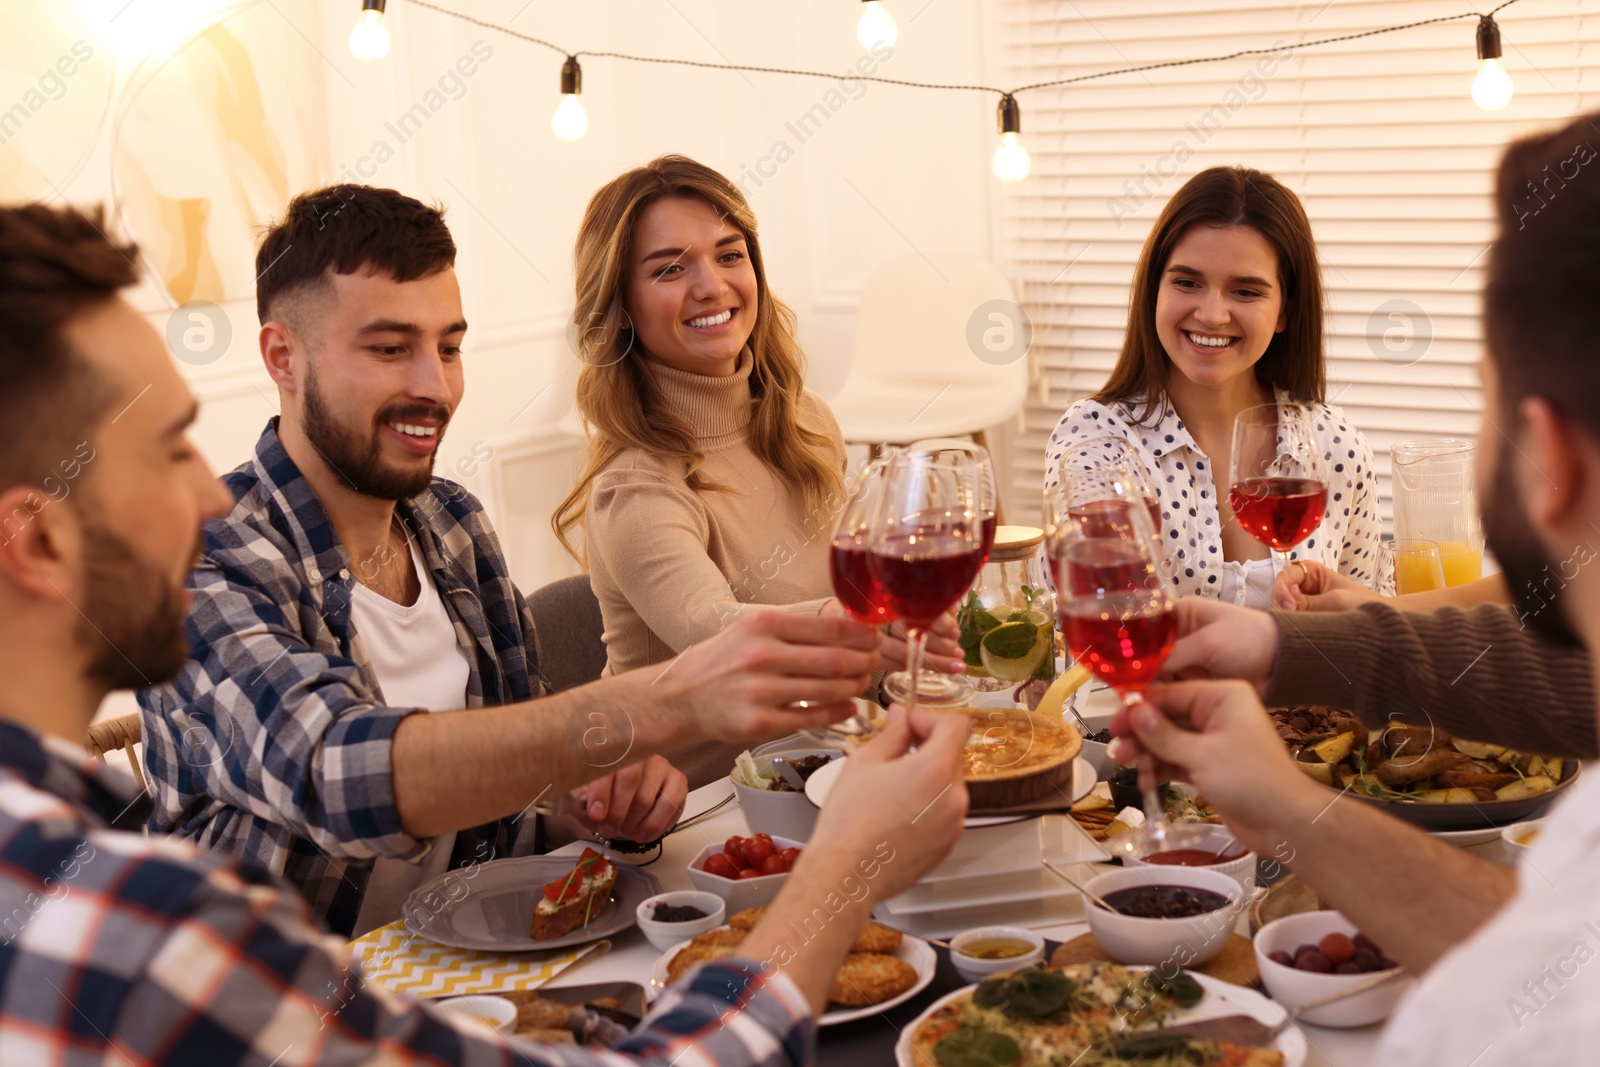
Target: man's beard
{"x":1535,"y":597}
{"x":132,"y":617}
{"x":358,"y":462}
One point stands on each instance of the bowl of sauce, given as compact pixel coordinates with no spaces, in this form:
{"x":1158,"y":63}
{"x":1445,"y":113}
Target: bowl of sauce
{"x":986,"y":950}
{"x":668,"y":918}
{"x":1194,"y":844}
{"x":1164,"y":913}
{"x":1519,"y":837}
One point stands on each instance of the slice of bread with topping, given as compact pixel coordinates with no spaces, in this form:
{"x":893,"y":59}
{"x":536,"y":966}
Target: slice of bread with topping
{"x":576,"y":899}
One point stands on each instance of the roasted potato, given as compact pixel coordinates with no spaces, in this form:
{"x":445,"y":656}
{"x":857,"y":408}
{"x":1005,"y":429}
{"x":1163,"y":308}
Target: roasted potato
{"x":1527,"y":787}
{"x":1334,"y":749}
{"x":1408,"y":769}
{"x":1477,"y":749}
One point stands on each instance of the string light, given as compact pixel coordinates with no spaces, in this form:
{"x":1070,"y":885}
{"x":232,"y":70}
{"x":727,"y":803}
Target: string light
{"x":876,"y":27}
{"x":1011,"y":162}
{"x":570,"y":120}
{"x":370,"y":38}
{"x":1491,"y":89}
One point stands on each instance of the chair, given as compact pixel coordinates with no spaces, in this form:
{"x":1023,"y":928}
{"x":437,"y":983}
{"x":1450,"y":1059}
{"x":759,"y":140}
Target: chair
{"x":566,"y":617}
{"x":928,"y":359}
{"x":122,"y":732}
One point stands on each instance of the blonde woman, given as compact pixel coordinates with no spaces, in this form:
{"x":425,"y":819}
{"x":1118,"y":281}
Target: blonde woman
{"x":712,"y":478}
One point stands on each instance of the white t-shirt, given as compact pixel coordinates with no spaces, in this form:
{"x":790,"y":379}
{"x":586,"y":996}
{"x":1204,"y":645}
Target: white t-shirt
{"x":1192,"y":520}
{"x":1526,"y":987}
{"x":419,"y":664}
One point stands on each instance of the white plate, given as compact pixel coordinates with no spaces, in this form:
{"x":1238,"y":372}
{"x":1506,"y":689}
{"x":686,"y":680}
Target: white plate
{"x":917,"y":953}
{"x":494,"y":910}
{"x":1004,"y":850}
{"x":820,"y":784}
{"x":1222,"y":998}
{"x":1036,"y":913}
{"x":1468,"y":838}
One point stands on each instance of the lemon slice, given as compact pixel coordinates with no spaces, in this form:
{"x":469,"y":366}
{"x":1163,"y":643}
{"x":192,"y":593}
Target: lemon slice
{"x":1013,"y":650}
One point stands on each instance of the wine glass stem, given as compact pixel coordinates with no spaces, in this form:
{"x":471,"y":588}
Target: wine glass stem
{"x":918,"y":642}
{"x":1155,"y":815}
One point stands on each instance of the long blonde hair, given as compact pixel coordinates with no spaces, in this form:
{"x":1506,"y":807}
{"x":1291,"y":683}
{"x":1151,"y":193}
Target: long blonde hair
{"x":617,"y":398}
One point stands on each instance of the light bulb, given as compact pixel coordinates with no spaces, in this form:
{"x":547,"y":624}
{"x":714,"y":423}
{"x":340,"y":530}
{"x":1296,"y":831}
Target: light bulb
{"x":570,"y":120}
{"x":1492,"y":88}
{"x":876,"y":26}
{"x":1011,"y":160}
{"x":370,"y":38}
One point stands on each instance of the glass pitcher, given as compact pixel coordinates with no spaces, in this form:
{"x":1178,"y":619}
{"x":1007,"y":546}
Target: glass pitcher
{"x":1012,"y":596}
{"x":1436,"y":499}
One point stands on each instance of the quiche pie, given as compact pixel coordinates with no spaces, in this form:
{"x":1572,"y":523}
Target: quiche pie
{"x":1087,"y":1014}
{"x":1014,"y":756}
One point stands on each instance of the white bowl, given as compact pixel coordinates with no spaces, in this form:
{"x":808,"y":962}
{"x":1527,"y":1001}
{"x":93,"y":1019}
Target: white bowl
{"x":665,"y":935}
{"x":1292,"y":987}
{"x":974,"y":969}
{"x":739,"y":894}
{"x":1203,"y":835}
{"x":767,"y":811}
{"x":1511,"y":837}
{"x":497,"y":1013}
{"x":1181,"y":942}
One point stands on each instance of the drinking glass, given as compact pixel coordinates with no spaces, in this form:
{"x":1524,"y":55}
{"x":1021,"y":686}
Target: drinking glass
{"x":1278,"y":477}
{"x":934,"y":685}
{"x":1415,"y":562}
{"x":927,"y":543}
{"x":1117,"y":617}
{"x":1082,"y":463}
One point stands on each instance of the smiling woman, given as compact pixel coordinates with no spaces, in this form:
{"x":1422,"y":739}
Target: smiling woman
{"x":712,"y":476}
{"x":1226,"y":313}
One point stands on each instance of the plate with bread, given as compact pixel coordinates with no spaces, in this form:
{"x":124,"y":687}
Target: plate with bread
{"x":882,"y":969}
{"x":530,"y":903}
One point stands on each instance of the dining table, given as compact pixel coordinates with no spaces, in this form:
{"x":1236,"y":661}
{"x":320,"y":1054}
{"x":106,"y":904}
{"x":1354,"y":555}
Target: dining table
{"x":871,"y":1040}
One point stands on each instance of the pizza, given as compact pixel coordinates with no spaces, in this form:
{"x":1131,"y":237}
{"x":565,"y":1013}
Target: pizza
{"x":1087,"y":1014}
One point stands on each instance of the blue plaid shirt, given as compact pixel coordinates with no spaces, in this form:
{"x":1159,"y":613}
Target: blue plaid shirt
{"x":273,"y":743}
{"x":122,"y":949}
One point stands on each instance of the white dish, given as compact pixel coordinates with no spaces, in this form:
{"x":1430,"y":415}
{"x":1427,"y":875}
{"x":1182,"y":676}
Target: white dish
{"x":820,"y":784}
{"x":1005,"y":850}
{"x":1468,"y":838}
{"x":1292,"y":987}
{"x":743,"y":893}
{"x":1222,"y":998}
{"x":1013,"y":889}
{"x":664,"y":935}
{"x":1511,"y":837}
{"x":976,"y":968}
{"x":1036,"y":913}
{"x":497,"y":1013}
{"x":917,"y":953}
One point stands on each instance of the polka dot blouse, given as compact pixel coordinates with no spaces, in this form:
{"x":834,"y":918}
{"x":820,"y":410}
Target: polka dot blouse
{"x":1192,"y":520}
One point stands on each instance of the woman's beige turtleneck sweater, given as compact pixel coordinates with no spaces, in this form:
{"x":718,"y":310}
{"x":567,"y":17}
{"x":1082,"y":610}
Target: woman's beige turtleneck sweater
{"x":672,"y":566}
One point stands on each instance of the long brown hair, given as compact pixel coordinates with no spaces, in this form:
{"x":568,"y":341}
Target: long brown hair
{"x":617,"y":398}
{"x":1228,"y":196}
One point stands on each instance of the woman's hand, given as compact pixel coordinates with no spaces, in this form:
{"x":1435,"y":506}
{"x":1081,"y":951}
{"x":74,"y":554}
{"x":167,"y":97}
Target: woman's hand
{"x":1305,"y":585}
{"x":943,"y":653}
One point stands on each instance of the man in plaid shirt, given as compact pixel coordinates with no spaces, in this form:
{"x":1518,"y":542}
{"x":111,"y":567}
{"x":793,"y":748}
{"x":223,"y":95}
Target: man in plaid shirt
{"x":117,"y":948}
{"x":348,"y":589}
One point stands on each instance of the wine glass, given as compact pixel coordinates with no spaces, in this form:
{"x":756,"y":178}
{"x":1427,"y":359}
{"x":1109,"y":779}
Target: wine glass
{"x":1278,"y":477}
{"x":934,"y":685}
{"x":927,"y":543}
{"x":1082,"y":461}
{"x":1117,"y":617}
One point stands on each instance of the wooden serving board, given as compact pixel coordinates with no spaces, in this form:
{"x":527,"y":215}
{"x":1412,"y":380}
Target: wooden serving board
{"x":1236,"y":962}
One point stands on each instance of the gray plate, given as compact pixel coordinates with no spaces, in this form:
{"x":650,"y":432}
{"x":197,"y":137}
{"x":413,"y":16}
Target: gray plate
{"x":490,"y":907}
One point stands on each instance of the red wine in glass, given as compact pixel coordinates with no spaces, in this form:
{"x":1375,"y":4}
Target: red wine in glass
{"x":1279,"y":512}
{"x":858,"y":589}
{"x":1098,"y":517}
{"x":987,"y":528}
{"x":1101,"y":565}
{"x":923,"y":576}
{"x":1123,"y":638}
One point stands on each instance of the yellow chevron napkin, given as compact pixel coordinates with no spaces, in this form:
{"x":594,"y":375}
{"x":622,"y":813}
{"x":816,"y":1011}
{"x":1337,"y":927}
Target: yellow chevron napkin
{"x":402,"y":962}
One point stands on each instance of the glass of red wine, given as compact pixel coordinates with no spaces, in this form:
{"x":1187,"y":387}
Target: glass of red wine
{"x":1089,"y":466}
{"x":1278,"y":477}
{"x":927,"y":544}
{"x":933,"y":685}
{"x":1117,"y":617}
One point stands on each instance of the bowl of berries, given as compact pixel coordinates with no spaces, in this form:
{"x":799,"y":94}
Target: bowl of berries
{"x":1316,"y":954}
{"x":746,"y":872}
